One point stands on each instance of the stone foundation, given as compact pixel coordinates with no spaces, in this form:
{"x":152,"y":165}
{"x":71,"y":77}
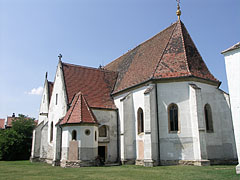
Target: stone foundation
{"x":77,"y":163}
{"x":128,"y":162}
{"x":185,"y":162}
{"x":139,"y":162}
{"x":223,"y":161}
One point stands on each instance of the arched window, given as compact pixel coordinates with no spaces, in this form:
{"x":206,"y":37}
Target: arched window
{"x":208,"y":118}
{"x":103,"y":131}
{"x":140,"y":120}
{"x":74,"y":135}
{"x":95,"y":135}
{"x":173,"y":117}
{"x":51,"y":132}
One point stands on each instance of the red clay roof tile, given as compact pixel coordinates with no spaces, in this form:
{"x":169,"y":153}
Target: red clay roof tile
{"x":169,"y":54}
{"x":79,"y":112}
{"x":2,"y":123}
{"x":95,"y":84}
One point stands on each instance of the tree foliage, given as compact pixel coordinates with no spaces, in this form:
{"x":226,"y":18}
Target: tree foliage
{"x":15,"y":143}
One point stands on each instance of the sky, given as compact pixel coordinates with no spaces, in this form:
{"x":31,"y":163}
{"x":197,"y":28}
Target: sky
{"x":94,"y":32}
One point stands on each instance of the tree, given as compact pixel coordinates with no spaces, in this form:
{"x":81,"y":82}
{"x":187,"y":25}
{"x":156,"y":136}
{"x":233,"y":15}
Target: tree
{"x":15,"y":143}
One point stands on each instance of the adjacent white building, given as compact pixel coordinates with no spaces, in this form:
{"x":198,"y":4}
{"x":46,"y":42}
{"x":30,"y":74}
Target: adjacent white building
{"x":232,"y":61}
{"x":158,"y":104}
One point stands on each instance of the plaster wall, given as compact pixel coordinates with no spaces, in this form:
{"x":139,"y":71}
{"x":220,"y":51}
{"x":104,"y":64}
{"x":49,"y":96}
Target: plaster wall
{"x":232,"y":61}
{"x":43,"y":112}
{"x":44,"y":141}
{"x":87,"y":144}
{"x":57,"y":110}
{"x":108,"y":118}
{"x":188,"y":143}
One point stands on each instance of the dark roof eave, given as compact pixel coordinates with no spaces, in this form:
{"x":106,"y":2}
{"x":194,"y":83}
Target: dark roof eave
{"x":79,"y":123}
{"x":217,"y":83}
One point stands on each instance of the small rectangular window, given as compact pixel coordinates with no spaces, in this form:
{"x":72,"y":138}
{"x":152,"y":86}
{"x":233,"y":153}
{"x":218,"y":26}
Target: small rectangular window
{"x":56,"y":99}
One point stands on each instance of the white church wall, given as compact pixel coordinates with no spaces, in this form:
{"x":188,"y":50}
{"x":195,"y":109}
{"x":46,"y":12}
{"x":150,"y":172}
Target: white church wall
{"x":43,"y":112}
{"x":57,"y":110}
{"x":175,"y":146}
{"x":87,"y":144}
{"x":220,"y":142}
{"x":108,"y":118}
{"x":232,"y":62}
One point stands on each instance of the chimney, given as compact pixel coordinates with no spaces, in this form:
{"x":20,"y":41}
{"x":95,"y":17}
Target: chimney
{"x":13,"y":115}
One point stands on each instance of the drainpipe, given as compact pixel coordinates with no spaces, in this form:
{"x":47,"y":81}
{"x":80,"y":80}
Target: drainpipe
{"x":118,"y":146}
{"x":158,"y":134}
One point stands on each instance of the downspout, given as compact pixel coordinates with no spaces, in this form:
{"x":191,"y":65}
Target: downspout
{"x":118,"y":146}
{"x":158,"y":134}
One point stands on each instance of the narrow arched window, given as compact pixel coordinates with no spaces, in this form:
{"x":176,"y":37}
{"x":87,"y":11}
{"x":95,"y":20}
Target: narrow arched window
{"x":103,"y":131}
{"x":74,"y":135}
{"x":173,"y":117}
{"x":208,"y":118}
{"x":51,"y":132}
{"x":140,"y":120}
{"x":95,"y":135}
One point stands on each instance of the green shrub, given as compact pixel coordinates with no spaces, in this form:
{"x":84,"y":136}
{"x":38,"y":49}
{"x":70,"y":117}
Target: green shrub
{"x":15,"y":143}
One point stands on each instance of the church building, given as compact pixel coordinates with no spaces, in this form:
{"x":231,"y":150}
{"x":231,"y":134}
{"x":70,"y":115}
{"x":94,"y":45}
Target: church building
{"x":158,"y":104}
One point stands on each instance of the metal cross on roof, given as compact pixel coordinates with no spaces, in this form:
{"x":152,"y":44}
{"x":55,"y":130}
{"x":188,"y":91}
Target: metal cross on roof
{"x":60,"y":57}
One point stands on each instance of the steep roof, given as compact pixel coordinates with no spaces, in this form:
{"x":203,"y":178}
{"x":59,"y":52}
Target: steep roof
{"x":95,"y":84}
{"x":235,"y":46}
{"x":169,"y":54}
{"x":2,"y":123}
{"x":79,"y":112}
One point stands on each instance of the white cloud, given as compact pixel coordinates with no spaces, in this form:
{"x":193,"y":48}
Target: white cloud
{"x":36,"y":91}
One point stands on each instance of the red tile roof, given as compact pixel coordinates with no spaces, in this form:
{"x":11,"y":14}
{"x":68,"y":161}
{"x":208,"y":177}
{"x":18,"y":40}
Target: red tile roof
{"x":9,"y":121}
{"x":95,"y":84}
{"x":2,"y":123}
{"x":169,"y":54}
{"x":79,"y":112}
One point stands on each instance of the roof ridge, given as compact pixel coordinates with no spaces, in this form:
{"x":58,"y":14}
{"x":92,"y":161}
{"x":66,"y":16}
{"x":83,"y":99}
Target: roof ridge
{"x":164,"y":50}
{"x":89,"y":110}
{"x":198,"y":53}
{"x":72,"y":108}
{"x":87,"y":67}
{"x":129,"y":51}
{"x":184,"y":48}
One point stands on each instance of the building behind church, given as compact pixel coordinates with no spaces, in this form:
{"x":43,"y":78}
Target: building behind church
{"x":232,"y":61}
{"x":158,"y":104}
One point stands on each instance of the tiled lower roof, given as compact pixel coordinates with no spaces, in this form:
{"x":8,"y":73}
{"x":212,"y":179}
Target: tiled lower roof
{"x":79,"y":112}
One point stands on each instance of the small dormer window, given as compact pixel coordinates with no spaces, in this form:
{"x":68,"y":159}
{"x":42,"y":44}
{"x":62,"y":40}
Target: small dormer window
{"x":56,"y":99}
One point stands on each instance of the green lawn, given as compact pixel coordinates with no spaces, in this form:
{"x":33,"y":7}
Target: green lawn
{"x":31,"y":171}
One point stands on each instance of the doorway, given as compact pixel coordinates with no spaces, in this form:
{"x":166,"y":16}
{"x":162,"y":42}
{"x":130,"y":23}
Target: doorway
{"x":102,"y":152}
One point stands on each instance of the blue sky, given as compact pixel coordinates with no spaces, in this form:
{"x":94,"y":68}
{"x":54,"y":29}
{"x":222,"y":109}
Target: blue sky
{"x":94,"y":32}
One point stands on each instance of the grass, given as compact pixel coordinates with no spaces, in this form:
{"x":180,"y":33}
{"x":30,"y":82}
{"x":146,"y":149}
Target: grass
{"x":26,"y":170}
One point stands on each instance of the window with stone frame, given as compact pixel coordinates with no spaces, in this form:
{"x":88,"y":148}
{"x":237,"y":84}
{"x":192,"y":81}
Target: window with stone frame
{"x":208,"y":118}
{"x":140,"y":118}
{"x":74,"y":135}
{"x":103,"y":131}
{"x":51,"y":132}
{"x":173,"y":118}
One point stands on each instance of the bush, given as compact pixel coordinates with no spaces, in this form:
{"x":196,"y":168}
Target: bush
{"x":15,"y":143}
